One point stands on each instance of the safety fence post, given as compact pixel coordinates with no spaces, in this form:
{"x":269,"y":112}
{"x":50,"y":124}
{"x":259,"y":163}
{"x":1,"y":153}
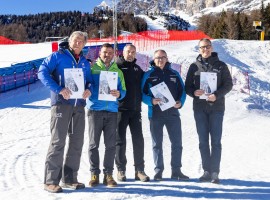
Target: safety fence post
{"x":248,"y":82}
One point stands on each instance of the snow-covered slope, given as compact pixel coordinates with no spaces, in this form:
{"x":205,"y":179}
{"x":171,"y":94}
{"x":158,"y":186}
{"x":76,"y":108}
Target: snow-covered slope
{"x":245,"y":172}
{"x":153,"y":24}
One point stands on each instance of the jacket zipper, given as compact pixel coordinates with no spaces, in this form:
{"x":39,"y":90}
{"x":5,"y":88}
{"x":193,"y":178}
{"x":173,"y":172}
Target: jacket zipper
{"x":75,"y":103}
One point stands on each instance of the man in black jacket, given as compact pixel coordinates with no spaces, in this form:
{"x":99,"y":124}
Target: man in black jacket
{"x":209,"y":111}
{"x":130,"y":115}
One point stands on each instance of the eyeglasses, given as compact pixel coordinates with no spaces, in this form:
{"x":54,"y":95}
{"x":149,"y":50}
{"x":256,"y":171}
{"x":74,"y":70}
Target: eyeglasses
{"x":205,"y":47}
{"x":161,"y":58}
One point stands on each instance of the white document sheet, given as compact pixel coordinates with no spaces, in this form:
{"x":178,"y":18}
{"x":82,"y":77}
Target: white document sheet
{"x":74,"y":81}
{"x":107,"y":82}
{"x":208,"y":83}
{"x":162,"y":92}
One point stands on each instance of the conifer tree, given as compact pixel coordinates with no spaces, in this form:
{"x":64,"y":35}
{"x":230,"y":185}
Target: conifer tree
{"x":220,"y":29}
{"x":239,"y":29}
{"x":231,"y":22}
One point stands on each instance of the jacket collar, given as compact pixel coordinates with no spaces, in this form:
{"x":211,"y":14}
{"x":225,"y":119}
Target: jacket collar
{"x":206,"y":64}
{"x":101,"y":64}
{"x":213,"y":58}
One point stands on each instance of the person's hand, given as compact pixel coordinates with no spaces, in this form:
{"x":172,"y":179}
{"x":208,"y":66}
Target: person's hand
{"x":65,"y":92}
{"x":198,"y":93}
{"x":212,"y":98}
{"x":177,"y":104}
{"x":155,"y":101}
{"x":86,"y":94}
{"x":115,"y":93}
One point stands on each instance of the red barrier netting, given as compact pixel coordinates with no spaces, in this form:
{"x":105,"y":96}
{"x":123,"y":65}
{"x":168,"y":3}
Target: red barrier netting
{"x":151,"y":39}
{"x":157,"y":35}
{"x":4,"y":40}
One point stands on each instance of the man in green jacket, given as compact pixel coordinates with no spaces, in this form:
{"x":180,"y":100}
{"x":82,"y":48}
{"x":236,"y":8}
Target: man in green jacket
{"x":102,"y":113}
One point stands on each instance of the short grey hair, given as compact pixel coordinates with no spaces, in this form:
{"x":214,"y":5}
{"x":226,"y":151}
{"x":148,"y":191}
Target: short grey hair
{"x":80,"y":33}
{"x":205,"y":40}
{"x":129,"y":45}
{"x":162,"y":51}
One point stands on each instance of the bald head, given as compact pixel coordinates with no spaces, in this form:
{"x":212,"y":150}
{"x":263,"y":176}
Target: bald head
{"x":129,"y":52}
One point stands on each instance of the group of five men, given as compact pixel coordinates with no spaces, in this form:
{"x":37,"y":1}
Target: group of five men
{"x":113,"y":117}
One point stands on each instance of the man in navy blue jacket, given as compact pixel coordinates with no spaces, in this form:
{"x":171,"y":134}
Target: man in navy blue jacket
{"x":161,"y":71}
{"x":67,"y":114}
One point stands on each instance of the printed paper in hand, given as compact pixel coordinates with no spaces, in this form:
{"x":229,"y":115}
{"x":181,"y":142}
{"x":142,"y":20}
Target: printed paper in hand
{"x":162,"y":91}
{"x":107,"y":82}
{"x":74,"y":81}
{"x":208,"y":83}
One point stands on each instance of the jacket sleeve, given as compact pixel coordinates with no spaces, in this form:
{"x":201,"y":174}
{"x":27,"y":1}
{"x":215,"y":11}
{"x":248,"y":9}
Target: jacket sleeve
{"x":226,"y":83}
{"x":146,"y":93}
{"x":121,"y":85}
{"x":89,"y":78}
{"x":44,"y":73}
{"x":184,"y":95}
{"x":189,"y":83}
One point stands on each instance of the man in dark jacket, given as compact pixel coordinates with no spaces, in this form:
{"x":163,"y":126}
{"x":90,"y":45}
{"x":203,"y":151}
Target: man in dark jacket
{"x":159,"y":72}
{"x":129,"y":114}
{"x":209,"y":111}
{"x":67,"y":112}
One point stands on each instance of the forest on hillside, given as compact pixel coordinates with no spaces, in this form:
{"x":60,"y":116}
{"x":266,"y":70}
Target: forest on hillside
{"x":99,"y":24}
{"x":35,"y":28}
{"x":236,"y":26}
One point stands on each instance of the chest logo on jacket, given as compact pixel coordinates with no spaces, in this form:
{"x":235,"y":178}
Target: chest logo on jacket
{"x":173,"y":80}
{"x":217,"y":70}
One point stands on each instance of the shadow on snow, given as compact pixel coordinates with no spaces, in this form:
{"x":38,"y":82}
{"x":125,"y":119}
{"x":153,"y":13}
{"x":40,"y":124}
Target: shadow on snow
{"x":257,"y":86}
{"x":228,"y":189}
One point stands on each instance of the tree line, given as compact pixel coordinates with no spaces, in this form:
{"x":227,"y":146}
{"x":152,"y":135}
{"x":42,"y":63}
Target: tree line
{"x":35,"y":28}
{"x":236,"y":26}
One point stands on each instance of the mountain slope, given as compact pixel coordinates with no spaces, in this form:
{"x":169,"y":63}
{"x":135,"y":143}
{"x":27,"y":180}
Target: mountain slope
{"x":188,"y":6}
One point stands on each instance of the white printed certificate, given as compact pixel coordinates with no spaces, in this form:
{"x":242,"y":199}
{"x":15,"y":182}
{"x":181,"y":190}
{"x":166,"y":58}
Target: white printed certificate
{"x":107,"y":82}
{"x":208,"y":83}
{"x":162,"y":92}
{"x":74,"y":81}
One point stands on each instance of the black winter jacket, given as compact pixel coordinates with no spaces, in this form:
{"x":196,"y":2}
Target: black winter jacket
{"x":224,"y":82}
{"x":133,"y":75}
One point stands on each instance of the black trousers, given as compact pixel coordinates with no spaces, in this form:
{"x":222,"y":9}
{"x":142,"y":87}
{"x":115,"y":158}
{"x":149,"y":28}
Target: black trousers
{"x":132,"y":119}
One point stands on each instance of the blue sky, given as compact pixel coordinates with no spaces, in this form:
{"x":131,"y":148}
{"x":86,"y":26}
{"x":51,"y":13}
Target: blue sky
{"x":25,"y":7}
